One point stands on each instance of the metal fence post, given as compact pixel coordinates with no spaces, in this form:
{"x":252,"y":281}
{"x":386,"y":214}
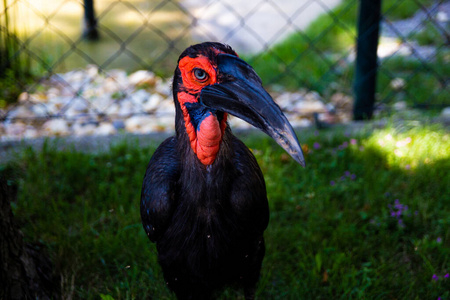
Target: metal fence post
{"x":90,"y":23}
{"x":366,"y":59}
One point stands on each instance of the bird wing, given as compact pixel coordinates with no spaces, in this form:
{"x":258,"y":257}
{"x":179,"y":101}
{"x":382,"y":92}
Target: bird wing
{"x":158,"y":189}
{"x":249,"y":196}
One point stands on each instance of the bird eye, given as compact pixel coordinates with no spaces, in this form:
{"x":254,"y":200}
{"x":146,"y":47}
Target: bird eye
{"x":200,"y":74}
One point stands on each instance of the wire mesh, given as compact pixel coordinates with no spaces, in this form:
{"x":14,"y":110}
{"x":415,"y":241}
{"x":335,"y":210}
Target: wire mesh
{"x":55,"y":81}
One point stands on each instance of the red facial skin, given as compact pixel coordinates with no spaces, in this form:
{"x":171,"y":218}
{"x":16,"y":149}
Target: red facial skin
{"x":206,"y":141}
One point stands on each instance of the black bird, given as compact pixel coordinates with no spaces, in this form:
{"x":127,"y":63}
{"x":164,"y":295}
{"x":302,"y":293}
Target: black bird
{"x":203,"y":198}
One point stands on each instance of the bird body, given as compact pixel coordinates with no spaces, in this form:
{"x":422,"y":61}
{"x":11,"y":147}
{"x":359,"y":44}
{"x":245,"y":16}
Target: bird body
{"x":203,"y":197}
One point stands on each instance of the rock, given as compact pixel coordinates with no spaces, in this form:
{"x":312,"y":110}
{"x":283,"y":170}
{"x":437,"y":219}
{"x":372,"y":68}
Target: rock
{"x":127,"y":108}
{"x":39,"y":110}
{"x":287,"y":100}
{"x":301,"y":122}
{"x":113,"y":109}
{"x":397,"y":84}
{"x":139,"y":97}
{"x":78,"y":105}
{"x":31,"y":132}
{"x":92,"y":71}
{"x":138,"y":123}
{"x":83,"y":129}
{"x":53,"y":92}
{"x":310,"y":106}
{"x":342,"y":101}
{"x":446,"y":112}
{"x":20,"y":112}
{"x":23,"y":97}
{"x":163,"y":87}
{"x":56,"y":127}
{"x":15,"y":129}
{"x":102,"y":103}
{"x":118,"y":124}
{"x":152,"y":102}
{"x":105,"y":128}
{"x":142,"y":78}
{"x":400,"y":105}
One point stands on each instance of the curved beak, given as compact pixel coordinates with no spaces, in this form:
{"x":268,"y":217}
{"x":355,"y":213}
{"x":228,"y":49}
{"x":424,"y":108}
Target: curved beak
{"x":241,"y":94}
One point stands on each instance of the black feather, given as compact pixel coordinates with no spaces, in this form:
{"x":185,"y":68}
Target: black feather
{"x":207,"y":222}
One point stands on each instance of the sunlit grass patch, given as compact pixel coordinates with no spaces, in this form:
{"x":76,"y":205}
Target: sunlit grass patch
{"x":410,"y":149}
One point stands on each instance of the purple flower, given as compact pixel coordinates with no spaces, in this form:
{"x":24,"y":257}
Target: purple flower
{"x":345,"y":144}
{"x":439,"y":240}
{"x":332,"y":182}
{"x":316,"y":146}
{"x":353,"y":141}
{"x":446,"y":276}
{"x":408,"y":167}
{"x":347,"y":173}
{"x":416,"y":212}
{"x":353,"y":177}
{"x":435,"y":277}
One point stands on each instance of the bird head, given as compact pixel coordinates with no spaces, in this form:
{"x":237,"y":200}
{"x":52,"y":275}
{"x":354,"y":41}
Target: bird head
{"x":210,"y":82}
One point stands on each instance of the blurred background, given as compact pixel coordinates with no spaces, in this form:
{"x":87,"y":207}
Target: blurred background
{"x":70,"y":66}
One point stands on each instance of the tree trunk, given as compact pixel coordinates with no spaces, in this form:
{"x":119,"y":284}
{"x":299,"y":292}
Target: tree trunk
{"x":25,"y":272}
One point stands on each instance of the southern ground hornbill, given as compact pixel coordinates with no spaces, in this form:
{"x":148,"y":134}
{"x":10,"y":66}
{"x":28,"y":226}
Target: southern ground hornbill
{"x":204,"y":198}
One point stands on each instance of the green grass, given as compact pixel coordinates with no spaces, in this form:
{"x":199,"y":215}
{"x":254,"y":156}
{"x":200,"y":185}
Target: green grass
{"x":331,"y":234}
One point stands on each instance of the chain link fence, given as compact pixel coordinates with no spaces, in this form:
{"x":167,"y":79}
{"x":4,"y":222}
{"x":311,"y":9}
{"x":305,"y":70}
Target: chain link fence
{"x":55,"y":81}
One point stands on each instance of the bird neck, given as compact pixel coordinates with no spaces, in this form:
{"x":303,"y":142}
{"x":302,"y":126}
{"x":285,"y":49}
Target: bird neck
{"x":204,"y":128}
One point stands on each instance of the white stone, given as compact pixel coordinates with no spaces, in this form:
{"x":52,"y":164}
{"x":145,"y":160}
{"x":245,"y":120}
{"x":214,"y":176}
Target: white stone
{"x":152,"y":102}
{"x":442,"y":17}
{"x":105,"y":128}
{"x":53,"y":92}
{"x":163,"y":87}
{"x":20,"y":112}
{"x":30,"y":132}
{"x":311,"y":106}
{"x":142,"y":77}
{"x":136,"y":123}
{"x":56,"y":127}
{"x":139,"y":97}
{"x":166,"y":107}
{"x":15,"y":129}
{"x":397,"y":84}
{"x":102,"y":103}
{"x":40,"y":110}
{"x":92,"y":71}
{"x":81,"y":130}
{"x":78,"y":105}
{"x":301,"y":123}
{"x":113,"y":109}
{"x":446,"y":112}
{"x":127,"y":108}
{"x":400,"y":105}
{"x":287,"y":100}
